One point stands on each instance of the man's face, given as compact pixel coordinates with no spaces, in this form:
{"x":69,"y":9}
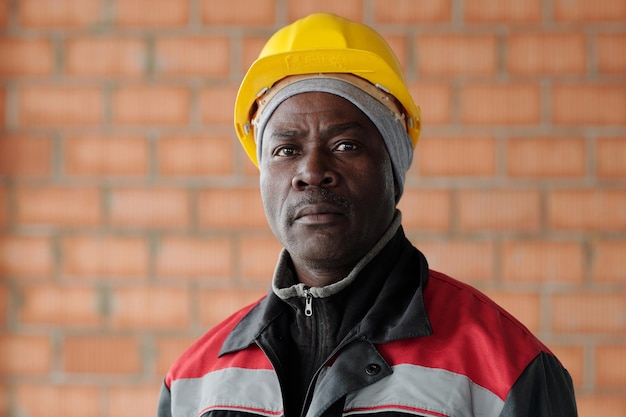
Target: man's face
{"x":326,"y":181}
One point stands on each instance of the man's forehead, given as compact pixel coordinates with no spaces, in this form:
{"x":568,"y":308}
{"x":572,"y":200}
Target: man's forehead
{"x":298,"y":130}
{"x":328,"y":114}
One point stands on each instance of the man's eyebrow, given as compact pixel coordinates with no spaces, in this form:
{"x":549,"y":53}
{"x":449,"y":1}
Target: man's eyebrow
{"x":340,"y":128}
{"x":327,"y":132}
{"x":286,"y":133}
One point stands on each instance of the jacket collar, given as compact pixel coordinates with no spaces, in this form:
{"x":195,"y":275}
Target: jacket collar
{"x":388,"y":300}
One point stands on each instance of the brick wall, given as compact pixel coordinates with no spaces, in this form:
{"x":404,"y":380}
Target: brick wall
{"x":130,"y":219}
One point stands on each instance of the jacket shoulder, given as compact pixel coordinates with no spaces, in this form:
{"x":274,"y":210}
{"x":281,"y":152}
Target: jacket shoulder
{"x":455,"y":306}
{"x":202,"y":356}
{"x":472,"y":337}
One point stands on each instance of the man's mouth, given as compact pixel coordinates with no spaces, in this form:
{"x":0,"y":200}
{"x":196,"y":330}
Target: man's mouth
{"x":318,"y":213}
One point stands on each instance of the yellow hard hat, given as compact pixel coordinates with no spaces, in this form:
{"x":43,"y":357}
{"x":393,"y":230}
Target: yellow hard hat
{"x":322,"y":43}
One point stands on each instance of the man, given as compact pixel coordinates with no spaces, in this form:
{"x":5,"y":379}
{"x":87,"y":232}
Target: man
{"x":355,"y":322}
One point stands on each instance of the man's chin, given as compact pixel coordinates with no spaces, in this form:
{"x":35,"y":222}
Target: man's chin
{"x":321,"y":234}
{"x":323,"y":248}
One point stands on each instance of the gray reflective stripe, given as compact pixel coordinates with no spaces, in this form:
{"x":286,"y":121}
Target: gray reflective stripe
{"x":237,"y":389}
{"x":427,"y":392}
{"x":410,"y":389}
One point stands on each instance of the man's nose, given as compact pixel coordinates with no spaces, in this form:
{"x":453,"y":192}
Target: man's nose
{"x":315,"y":169}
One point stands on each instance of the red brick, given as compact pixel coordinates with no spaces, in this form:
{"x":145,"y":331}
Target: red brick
{"x":608,"y":261}
{"x":573,"y":359}
{"x":350,"y":9}
{"x":58,"y":400}
{"x":240,"y":13}
{"x":258,"y":256}
{"x":587,"y":210}
{"x":217,"y":304}
{"x":195,"y":155}
{"x":59,"y":206}
{"x":231,"y":208}
{"x":434,"y":101}
{"x":104,"y":355}
{"x":3,"y":106}
{"x":130,"y":400}
{"x":611,"y":157}
{"x":467,"y":261}
{"x":457,"y":156}
{"x":450,"y":54}
{"x":610,"y":366}
{"x":611,"y":50}
{"x":217,"y":104}
{"x":425,"y":209}
{"x":25,"y":354}
{"x":500,"y":104}
{"x":523,"y":306}
{"x":399,"y":46}
{"x":59,"y":106}
{"x":60,"y":13}
{"x":106,"y":155}
{"x":56,"y":305}
{"x":15,"y":249}
{"x":543,"y":261}
{"x":405,"y":11}
{"x":206,"y":57}
{"x":499,"y":210}
{"x":150,"y":308}
{"x":105,"y":256}
{"x":168,"y":349}
{"x":151,"y":13}
{"x":25,"y":57}
{"x":546,"y":53}
{"x":589,"y":10}
{"x":151,"y":105}
{"x":4,"y":207}
{"x":105,"y":57}
{"x":502,"y":11}
{"x":197,"y":258}
{"x":605,"y":405}
{"x":251,"y":47}
{"x":4,"y":309}
{"x":4,"y":389}
{"x":149,"y":207}
{"x":25,"y":156}
{"x":589,"y":104}
{"x":588,"y":312}
{"x":249,"y":169}
{"x":4,"y":19}
{"x":540,"y":157}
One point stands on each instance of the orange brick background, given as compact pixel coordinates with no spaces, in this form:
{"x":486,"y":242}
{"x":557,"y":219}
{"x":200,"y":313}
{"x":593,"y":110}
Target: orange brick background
{"x":130,"y":219}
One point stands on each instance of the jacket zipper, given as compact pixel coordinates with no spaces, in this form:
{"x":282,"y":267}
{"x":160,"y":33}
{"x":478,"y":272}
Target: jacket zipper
{"x":308,"y":312}
{"x":308,"y":302}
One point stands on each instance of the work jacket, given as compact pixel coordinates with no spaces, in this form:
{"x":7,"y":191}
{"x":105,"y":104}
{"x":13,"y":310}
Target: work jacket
{"x":394,"y":339}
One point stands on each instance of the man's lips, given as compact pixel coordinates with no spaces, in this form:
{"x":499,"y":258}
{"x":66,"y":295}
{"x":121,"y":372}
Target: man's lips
{"x":318,"y":213}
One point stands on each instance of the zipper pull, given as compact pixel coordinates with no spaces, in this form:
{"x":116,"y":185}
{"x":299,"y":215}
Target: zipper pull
{"x":308,"y":302}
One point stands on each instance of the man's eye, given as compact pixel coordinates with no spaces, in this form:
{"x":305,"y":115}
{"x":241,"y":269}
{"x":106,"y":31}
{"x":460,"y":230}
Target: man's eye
{"x":346,"y":146}
{"x":285,"y":151}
